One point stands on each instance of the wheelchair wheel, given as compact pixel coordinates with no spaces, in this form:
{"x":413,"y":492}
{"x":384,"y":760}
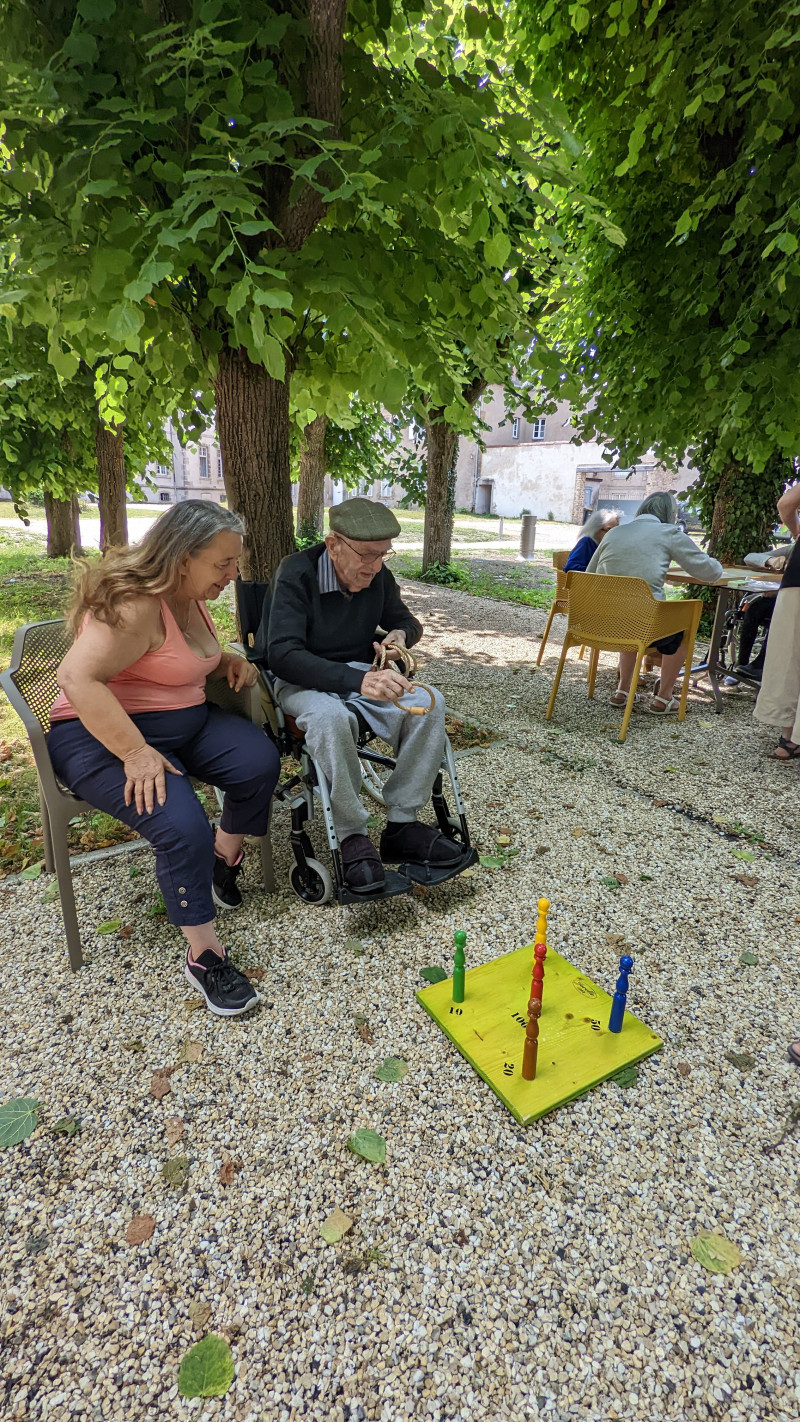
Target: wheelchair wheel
{"x":313,"y":884}
{"x":373,"y":779}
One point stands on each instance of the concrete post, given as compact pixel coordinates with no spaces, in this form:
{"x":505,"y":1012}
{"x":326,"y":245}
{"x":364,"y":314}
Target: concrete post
{"x":500,"y":528}
{"x":527,"y":538}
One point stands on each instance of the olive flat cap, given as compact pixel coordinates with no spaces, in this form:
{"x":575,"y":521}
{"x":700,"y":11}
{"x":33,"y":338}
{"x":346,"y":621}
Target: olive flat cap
{"x":363,"y":520}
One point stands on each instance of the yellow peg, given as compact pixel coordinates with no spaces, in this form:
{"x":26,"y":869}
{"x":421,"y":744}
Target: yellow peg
{"x":541,"y":922}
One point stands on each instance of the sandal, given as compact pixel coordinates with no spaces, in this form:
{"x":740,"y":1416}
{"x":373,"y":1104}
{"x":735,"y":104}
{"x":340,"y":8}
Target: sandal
{"x":665,"y":709}
{"x":620,"y":698}
{"x":794,"y":1052}
{"x":792,"y":751}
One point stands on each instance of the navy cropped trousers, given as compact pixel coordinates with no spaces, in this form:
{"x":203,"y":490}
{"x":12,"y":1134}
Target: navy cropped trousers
{"x":211,"y":745}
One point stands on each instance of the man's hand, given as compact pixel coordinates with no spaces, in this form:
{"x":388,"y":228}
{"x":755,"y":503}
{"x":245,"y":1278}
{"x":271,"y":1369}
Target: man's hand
{"x":239,"y":672}
{"x":391,"y":642}
{"x":384,"y":685}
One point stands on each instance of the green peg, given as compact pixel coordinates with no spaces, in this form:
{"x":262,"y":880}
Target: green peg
{"x":459,"y":965}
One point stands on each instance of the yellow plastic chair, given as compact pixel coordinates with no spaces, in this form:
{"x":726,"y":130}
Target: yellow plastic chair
{"x":610,"y":614}
{"x":560,"y":602}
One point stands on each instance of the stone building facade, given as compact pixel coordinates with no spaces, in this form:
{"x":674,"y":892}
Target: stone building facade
{"x":534,"y":466}
{"x":194,"y":472}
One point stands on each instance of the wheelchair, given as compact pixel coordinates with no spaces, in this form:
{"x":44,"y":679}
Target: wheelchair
{"x":306,"y":792}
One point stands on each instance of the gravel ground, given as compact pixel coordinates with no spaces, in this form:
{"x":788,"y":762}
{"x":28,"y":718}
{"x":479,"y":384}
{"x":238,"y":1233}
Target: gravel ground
{"x":492,"y":1272}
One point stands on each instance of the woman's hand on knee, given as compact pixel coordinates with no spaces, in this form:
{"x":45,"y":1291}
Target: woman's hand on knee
{"x":145,"y":778}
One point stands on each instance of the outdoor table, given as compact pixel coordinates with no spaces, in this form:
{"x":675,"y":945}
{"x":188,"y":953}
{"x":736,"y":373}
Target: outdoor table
{"x":731,"y":581}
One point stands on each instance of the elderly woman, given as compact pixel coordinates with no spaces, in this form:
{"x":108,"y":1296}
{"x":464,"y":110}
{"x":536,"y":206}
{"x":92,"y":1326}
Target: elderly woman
{"x":644,"y":548}
{"x":595,"y":529}
{"x":131,"y":724}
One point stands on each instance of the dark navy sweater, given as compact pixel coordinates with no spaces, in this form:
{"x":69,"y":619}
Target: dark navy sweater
{"x":312,"y":635}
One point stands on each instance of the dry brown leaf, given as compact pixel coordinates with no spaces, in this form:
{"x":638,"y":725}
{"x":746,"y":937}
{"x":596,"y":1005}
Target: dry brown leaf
{"x":199,"y":1313}
{"x":194,"y":1004}
{"x":419,"y":891}
{"x":658,"y":803}
{"x":365,"y":1033}
{"x":159,"y":1086}
{"x":504,"y":829}
{"x":621,"y":878}
{"x":228,"y":1171}
{"x":140,"y":1228}
{"x":255,"y":974}
{"x":684,"y":1068}
{"x":460,"y":1237}
{"x":577,"y":832}
{"x":749,"y":881}
{"x":126,"y":930}
{"x":616,"y":940}
{"x":191,"y":1051}
{"x":174,"y":1128}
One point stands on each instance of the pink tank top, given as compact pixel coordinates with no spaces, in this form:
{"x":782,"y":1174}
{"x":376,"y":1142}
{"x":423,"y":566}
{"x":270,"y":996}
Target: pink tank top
{"x":168,"y":679}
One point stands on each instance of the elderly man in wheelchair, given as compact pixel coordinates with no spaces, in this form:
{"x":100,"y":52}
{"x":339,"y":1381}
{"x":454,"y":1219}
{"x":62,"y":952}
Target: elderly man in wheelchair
{"x":338,"y":646}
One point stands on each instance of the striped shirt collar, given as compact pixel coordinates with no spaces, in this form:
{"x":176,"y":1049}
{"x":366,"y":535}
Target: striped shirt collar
{"x":326,"y":575}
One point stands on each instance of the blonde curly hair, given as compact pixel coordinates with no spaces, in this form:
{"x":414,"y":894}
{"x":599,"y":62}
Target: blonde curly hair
{"x":150,"y":568}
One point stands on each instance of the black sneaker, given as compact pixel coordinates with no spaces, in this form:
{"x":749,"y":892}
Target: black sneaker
{"x":227,"y":991}
{"x":416,"y":843}
{"x":224,"y":890}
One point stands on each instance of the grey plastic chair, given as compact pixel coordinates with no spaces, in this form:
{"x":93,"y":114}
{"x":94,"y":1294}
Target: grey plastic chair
{"x":31,"y":687}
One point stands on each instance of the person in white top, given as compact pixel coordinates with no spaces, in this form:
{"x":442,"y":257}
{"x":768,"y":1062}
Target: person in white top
{"x":644,"y":548}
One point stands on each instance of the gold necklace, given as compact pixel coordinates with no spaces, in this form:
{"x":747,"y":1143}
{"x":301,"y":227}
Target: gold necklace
{"x":185,"y":626}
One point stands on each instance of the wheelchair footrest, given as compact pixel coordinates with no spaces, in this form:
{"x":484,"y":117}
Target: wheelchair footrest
{"x":394,"y":883}
{"x":438,"y":873}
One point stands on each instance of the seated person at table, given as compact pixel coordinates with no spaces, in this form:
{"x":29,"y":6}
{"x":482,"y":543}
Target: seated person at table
{"x":594,"y":531}
{"x":131,"y":724}
{"x":332,"y":608}
{"x":644,"y":548}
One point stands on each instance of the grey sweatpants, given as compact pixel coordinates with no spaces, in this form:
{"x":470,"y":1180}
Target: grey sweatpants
{"x":330,"y":728}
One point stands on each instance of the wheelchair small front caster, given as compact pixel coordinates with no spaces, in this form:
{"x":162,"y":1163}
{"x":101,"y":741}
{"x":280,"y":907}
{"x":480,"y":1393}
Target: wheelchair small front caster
{"x":313,"y":883}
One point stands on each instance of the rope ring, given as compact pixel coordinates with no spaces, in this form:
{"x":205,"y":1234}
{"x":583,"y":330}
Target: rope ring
{"x":410,"y":666}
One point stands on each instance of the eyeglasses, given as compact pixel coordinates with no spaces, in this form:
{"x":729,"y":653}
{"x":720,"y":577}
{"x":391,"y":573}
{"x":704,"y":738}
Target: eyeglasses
{"x":367,"y":557}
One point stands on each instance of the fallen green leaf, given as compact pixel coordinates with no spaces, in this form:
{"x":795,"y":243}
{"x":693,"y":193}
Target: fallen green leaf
{"x":372,"y":821}
{"x":335,"y":1226}
{"x":716,"y":1253}
{"x":627,"y":1077}
{"x":354,"y":945}
{"x":32,"y":872}
{"x":174,"y":1173}
{"x":50,"y":895}
{"x":18,"y":1120}
{"x":134,"y":871}
{"x":748,"y":959}
{"x":492,"y":861}
{"x":112,"y":925}
{"x":207,"y":1368}
{"x":646,"y":878}
{"x":159,"y":908}
{"x":134,"y":1045}
{"x":673,"y":769}
{"x":392,"y":1069}
{"x":369,"y":1145}
{"x":433,"y":975}
{"x":741,"y":1060}
{"x":743,"y":854}
{"x":609,"y":882}
{"x":67,"y":1126}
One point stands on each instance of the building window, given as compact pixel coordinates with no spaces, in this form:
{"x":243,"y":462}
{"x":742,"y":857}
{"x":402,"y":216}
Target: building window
{"x":203,"y":462}
{"x":515,"y":429}
{"x":163,"y":471}
{"x":165,"y":497}
{"x":219,"y":463}
{"x":537,"y":429}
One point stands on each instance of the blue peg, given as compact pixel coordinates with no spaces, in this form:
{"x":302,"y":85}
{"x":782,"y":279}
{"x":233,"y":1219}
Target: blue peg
{"x":618,"y":1005}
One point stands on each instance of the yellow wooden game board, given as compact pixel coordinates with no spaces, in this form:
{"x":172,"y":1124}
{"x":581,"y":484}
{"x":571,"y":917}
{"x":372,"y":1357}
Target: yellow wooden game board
{"x":576,"y":1050}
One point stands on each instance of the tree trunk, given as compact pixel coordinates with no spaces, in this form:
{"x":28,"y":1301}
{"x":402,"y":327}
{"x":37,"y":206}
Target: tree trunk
{"x":63,"y":526}
{"x":311,"y":488}
{"x":110,"y":451}
{"x":253,"y":429}
{"x":441,"y":453}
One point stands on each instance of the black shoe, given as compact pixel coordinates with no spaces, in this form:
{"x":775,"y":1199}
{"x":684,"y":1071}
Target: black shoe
{"x":748,"y":672}
{"x":224,"y":891}
{"x":361,"y":863}
{"x":227,"y":991}
{"x":415,"y":843}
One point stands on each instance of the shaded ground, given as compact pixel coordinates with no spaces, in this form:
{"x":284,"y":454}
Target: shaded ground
{"x":491,"y":1272}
